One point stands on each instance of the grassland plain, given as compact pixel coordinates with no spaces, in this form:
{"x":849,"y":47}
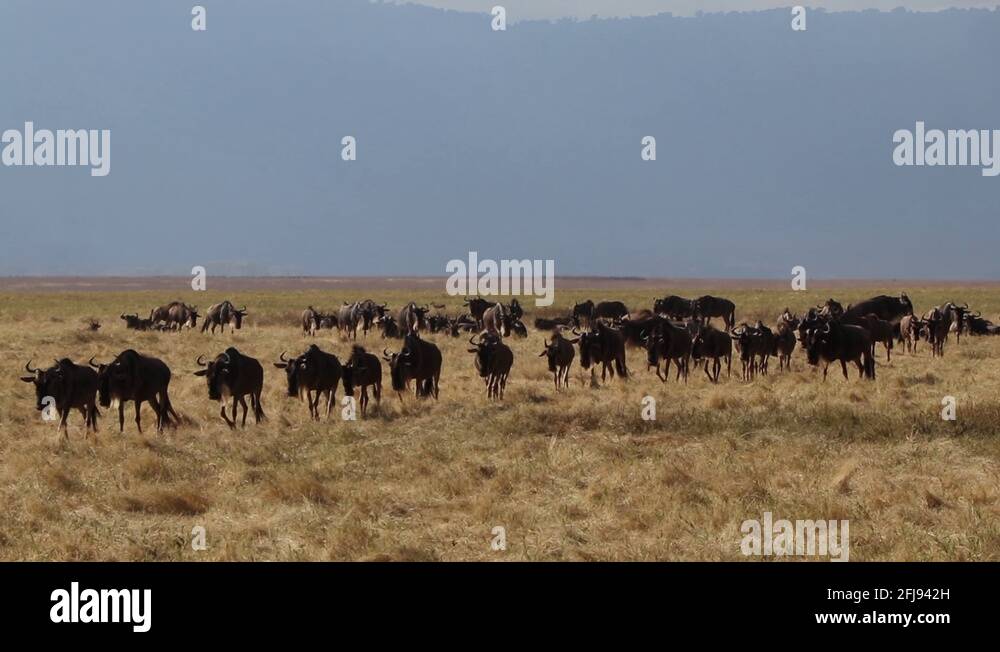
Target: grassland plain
{"x":571,"y":475}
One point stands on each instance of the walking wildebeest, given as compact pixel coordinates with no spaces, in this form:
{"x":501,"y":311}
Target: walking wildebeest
{"x":175,"y":314}
{"x":674,"y":307}
{"x":497,"y":319}
{"x":668,"y":342}
{"x":493,"y":362}
{"x":69,"y":386}
{"x":844,"y":343}
{"x":711,"y":343}
{"x":477,"y":306}
{"x":605,"y":345}
{"x":139,"y":378}
{"x":313,"y":371}
{"x":911,"y":328}
{"x":706,"y":307}
{"x":223,"y":314}
{"x":418,"y":360}
{"x":560,"y":353}
{"x":756,"y":344}
{"x":234,"y":375}
{"x":635,"y":328}
{"x":363,"y":370}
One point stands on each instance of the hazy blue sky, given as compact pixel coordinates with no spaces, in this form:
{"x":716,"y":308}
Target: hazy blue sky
{"x":774,"y":147}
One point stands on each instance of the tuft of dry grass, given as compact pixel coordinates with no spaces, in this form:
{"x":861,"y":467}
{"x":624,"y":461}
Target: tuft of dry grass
{"x":570,"y":475}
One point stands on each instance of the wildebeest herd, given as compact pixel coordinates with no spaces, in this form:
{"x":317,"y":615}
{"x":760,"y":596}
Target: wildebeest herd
{"x":674,"y":332}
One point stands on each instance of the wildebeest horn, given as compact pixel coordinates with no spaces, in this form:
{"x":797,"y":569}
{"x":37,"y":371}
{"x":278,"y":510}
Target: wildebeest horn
{"x":28,"y":368}
{"x":386,"y":353}
{"x":471,"y":340}
{"x":225,"y":357}
{"x":95,"y":366}
{"x":199,"y":362}
{"x":575,"y":332}
{"x":243,"y":309}
{"x":282,"y":357}
{"x":122,"y":316}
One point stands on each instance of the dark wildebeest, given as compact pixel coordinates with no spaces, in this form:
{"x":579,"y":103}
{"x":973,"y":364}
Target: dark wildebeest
{"x":938,"y":322}
{"x":463,"y":324}
{"x":135,"y":323}
{"x":519,"y":329}
{"x":516,"y":311}
{"x":610,"y":310}
{"x":493,"y":362}
{"x":223,"y":314}
{"x":387,"y":324}
{"x":636,"y":328}
{"x":366,"y":313}
{"x":977,"y":325}
{"x":890,"y":309}
{"x":605,"y":345}
{"x":583,"y":313}
{"x":363,"y":370}
{"x":544,"y":324}
{"x":313,"y":371}
{"x":844,"y":343}
{"x":669,"y":342}
{"x":412,"y":318}
{"x":756,"y":344}
{"x":706,"y":307}
{"x":674,"y":307}
{"x":560,"y":353}
{"x":418,"y":360}
{"x":69,"y":386}
{"x":958,"y":316}
{"x":879,"y":329}
{"x":175,"y":314}
{"x":911,"y":328}
{"x":478,"y":306}
{"x":831,"y":309}
{"x":438,"y":323}
{"x":139,"y":378}
{"x":234,"y":375}
{"x":497,"y":319}
{"x":784,"y":339}
{"x":710,"y":343}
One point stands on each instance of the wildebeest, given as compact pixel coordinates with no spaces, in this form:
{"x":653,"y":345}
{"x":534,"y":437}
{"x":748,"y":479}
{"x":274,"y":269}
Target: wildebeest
{"x":412,"y":318}
{"x":710,"y":343}
{"x":462,"y":324}
{"x":418,"y":360}
{"x":131,"y":376}
{"x":477,"y":306}
{"x":366,"y":313}
{"x":977,"y":325}
{"x":518,"y":328}
{"x":880,"y":330}
{"x":363,"y":370}
{"x":310,"y":321}
{"x":315,"y":371}
{"x":784,"y":339}
{"x":497,"y":319}
{"x":387,"y":324}
{"x":560,"y":353}
{"x":69,"y":386}
{"x":635,"y":330}
{"x":234,"y":375}
{"x":911,"y":328}
{"x":706,"y":307}
{"x":958,"y":314}
{"x":669,"y":342}
{"x":844,"y":343}
{"x":938,"y":322}
{"x":831,"y":309}
{"x":605,"y":345}
{"x":756,"y":344}
{"x":133,"y":322}
{"x":493,"y":362}
{"x":890,"y":309}
{"x":174,"y":315}
{"x":544,"y":324}
{"x":674,"y":307}
{"x":223,"y":314}
{"x":348,"y":316}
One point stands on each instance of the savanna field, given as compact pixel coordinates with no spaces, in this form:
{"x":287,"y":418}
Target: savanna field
{"x":571,"y":475}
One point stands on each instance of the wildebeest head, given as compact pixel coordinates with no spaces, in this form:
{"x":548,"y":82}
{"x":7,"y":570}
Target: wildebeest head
{"x":51,"y":382}
{"x":132,"y":321}
{"x":292,"y":367}
{"x":237,"y":317}
{"x":219,"y":373}
{"x":484,"y":350}
{"x":395,"y":369}
{"x":116,"y":379}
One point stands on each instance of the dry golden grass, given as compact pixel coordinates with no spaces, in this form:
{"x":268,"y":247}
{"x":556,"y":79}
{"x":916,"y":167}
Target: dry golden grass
{"x":573,"y":475}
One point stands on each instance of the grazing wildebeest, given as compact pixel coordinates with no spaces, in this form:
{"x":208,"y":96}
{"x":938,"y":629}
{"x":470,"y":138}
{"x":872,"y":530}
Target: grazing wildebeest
{"x":706,"y":307}
{"x":175,"y":314}
{"x":605,"y":345}
{"x":674,"y":307}
{"x":139,"y":378}
{"x":890,"y":309}
{"x":669,"y":342}
{"x":477,"y":306}
{"x":710,"y":343}
{"x":844,"y":343}
{"x":412,"y":318}
{"x":911,"y":328}
{"x":418,"y":360}
{"x":497,"y":319}
{"x":234,"y":375}
{"x":69,"y":386}
{"x":544,"y":324}
{"x":313,"y":371}
{"x":879,"y":329}
{"x":493,"y":362}
{"x":363,"y":370}
{"x":223,"y":314}
{"x":560,"y":353}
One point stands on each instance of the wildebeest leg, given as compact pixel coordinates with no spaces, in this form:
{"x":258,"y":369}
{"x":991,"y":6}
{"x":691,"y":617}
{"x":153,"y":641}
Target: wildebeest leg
{"x":331,"y":398}
{"x":121,"y":416}
{"x":843,"y":367}
{"x":706,"y":370}
{"x":826,"y":367}
{"x":138,"y":411}
{"x":243,"y":404}
{"x":364,"y":395}
{"x":225,"y":417}
{"x":666,"y":370}
{"x":861,"y":368}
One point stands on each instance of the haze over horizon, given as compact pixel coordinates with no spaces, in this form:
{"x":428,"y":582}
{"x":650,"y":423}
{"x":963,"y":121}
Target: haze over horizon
{"x":774,"y":147}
